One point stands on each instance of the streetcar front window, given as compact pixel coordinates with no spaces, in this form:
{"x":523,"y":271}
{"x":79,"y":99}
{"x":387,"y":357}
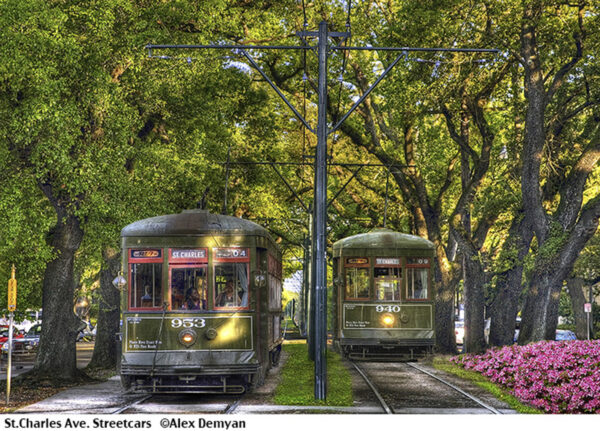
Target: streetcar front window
{"x":417,"y":283}
{"x":357,"y":283}
{"x":387,"y":283}
{"x":231,"y":285}
{"x":146,"y":286}
{"x":188,"y":288}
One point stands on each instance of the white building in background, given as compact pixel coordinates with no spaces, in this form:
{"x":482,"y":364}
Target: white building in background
{"x":293,"y":283}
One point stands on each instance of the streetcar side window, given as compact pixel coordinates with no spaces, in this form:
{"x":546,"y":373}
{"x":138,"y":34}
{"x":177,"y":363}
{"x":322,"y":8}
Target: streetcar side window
{"x":417,"y":279}
{"x":274,"y":283}
{"x":387,"y":283}
{"x":188,"y":288}
{"x":357,"y":283}
{"x":231,"y":285}
{"x":146,"y":285}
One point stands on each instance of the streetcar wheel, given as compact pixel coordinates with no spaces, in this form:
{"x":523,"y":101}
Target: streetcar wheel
{"x":345,"y":351}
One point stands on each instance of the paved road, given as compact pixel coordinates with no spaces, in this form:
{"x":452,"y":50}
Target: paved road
{"x":23,"y":364}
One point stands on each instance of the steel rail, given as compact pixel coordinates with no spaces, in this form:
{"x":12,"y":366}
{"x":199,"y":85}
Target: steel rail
{"x":384,"y":405}
{"x":128,"y":406}
{"x":231,"y":407}
{"x":471,"y":397}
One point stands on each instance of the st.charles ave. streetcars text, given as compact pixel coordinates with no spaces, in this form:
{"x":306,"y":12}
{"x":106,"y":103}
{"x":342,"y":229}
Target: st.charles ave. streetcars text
{"x":75,"y":423}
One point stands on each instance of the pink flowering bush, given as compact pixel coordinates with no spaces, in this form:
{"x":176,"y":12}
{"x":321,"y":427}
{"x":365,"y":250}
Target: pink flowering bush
{"x":557,"y":377}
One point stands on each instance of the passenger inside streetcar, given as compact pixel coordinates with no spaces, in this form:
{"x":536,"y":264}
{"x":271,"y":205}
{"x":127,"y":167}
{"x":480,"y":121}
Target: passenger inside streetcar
{"x":193,"y":300}
{"x":227,"y":298}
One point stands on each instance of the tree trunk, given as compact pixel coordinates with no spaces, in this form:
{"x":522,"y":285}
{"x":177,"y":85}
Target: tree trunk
{"x":57,"y":355}
{"x":105,"y":348}
{"x":552,"y":321}
{"x":444,"y":305}
{"x":505,"y":306}
{"x":537,"y":317}
{"x":575,"y":289}
{"x":474,"y":280}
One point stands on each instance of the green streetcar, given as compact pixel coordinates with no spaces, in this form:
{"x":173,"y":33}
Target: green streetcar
{"x":383,"y":295}
{"x":202,"y":304}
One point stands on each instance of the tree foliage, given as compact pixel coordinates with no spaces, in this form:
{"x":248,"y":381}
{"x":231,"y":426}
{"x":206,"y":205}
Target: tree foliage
{"x":492,"y":157}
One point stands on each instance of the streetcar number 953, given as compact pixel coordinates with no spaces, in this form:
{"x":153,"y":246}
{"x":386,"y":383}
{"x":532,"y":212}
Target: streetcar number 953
{"x":188,"y":323}
{"x":388,"y":308}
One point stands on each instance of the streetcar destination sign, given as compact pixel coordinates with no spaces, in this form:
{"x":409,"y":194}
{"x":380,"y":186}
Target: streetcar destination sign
{"x":231,"y":253}
{"x":188,"y":253}
{"x":145,"y":254}
{"x":387,"y":261}
{"x":357,"y":261}
{"x":417,"y":261}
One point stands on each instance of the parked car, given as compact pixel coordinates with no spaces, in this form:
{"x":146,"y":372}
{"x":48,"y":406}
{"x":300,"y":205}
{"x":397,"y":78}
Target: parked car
{"x":26,"y":344}
{"x":564,"y":335}
{"x":33,"y":317}
{"x":4,"y":333}
{"x":87,"y":332}
{"x":561,"y":335}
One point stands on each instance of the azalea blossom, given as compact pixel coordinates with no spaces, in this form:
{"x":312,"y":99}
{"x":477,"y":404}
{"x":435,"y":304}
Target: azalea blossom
{"x":557,"y":377}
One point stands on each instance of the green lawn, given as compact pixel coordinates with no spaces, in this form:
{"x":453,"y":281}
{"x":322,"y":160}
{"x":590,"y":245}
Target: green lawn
{"x":442,"y":363}
{"x":297,"y":380}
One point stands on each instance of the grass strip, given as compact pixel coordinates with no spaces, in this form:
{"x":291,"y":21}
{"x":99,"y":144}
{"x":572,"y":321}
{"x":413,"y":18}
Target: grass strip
{"x":297,"y":380}
{"x":443,"y":364}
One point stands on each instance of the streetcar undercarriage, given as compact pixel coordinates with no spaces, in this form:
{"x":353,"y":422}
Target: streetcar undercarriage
{"x":386,"y":350}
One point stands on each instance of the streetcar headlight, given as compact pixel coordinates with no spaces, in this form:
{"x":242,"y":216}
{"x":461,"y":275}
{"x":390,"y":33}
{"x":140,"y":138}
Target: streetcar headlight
{"x":187,"y":337}
{"x":388,"y":319}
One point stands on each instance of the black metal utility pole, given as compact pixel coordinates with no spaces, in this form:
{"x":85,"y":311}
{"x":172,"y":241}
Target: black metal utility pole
{"x":319,"y":256}
{"x":317,"y":331}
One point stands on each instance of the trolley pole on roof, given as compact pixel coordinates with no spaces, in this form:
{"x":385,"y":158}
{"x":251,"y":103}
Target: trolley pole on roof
{"x":317,"y":322}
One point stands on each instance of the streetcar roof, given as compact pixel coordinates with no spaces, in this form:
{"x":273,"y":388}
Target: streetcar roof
{"x":194,"y":222}
{"x":383,"y":239}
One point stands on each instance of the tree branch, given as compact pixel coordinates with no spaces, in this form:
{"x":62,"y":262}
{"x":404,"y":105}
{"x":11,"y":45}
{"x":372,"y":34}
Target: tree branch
{"x":571,"y":191}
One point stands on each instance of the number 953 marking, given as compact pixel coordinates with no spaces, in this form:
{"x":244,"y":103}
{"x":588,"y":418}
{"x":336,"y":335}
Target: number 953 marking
{"x":188,"y":323}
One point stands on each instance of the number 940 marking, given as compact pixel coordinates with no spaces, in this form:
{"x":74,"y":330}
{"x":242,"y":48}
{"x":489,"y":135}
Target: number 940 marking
{"x":188,"y":322}
{"x":388,"y":308}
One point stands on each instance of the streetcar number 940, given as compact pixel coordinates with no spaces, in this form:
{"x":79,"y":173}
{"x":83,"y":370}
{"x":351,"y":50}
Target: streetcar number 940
{"x":188,"y":323}
{"x":388,"y":308}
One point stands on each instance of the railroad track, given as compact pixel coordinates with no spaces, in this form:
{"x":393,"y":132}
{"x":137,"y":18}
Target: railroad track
{"x":179,"y":404}
{"x":131,"y":404}
{"x":457,"y":389}
{"x":389,"y":392}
